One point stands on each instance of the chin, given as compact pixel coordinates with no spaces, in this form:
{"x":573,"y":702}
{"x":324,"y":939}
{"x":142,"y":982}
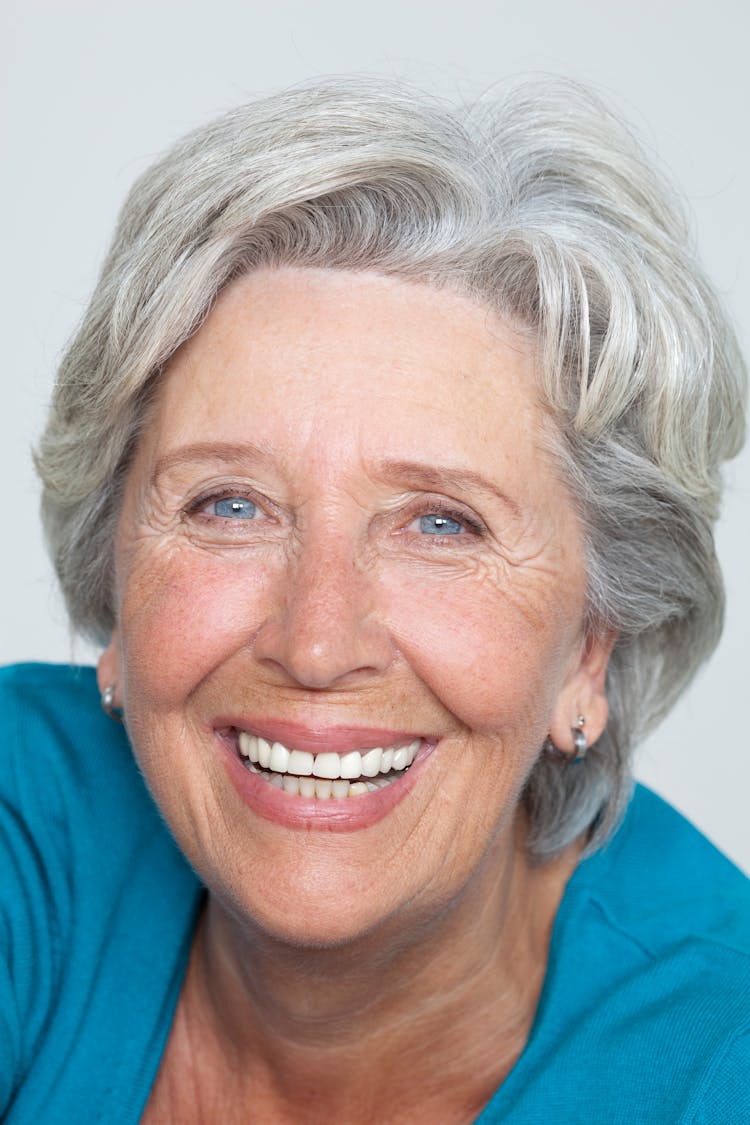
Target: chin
{"x":309,"y":922}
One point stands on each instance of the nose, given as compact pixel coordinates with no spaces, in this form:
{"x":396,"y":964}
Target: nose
{"x":326,"y":633}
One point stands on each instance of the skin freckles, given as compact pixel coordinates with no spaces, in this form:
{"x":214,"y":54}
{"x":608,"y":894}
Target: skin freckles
{"x":350,"y":411}
{"x":331,"y":603}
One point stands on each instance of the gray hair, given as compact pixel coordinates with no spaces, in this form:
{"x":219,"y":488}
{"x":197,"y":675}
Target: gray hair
{"x":538,"y":203}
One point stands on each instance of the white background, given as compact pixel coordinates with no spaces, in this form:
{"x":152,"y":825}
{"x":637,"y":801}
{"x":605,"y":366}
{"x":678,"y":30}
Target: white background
{"x":91,"y":92}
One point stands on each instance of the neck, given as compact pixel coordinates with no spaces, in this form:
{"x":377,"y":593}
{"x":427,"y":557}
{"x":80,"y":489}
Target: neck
{"x":436,"y":1004}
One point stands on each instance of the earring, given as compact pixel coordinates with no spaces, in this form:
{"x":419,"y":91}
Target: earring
{"x":108,"y":703}
{"x":580,"y":745}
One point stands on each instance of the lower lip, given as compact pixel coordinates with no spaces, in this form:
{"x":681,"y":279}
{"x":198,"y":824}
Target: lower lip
{"x":344,"y":814}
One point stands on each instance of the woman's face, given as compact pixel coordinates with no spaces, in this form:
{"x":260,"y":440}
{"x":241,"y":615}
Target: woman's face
{"x":341,"y":532}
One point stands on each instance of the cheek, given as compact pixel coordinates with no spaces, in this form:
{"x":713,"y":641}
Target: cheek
{"x":480,"y":651}
{"x":183,"y":613}
{"x":491,"y":652}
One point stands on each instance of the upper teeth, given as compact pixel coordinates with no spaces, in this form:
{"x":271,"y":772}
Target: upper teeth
{"x":355,"y":763}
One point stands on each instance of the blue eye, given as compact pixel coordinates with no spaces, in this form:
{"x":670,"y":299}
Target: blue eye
{"x":435,"y":524}
{"x":234,"y":508}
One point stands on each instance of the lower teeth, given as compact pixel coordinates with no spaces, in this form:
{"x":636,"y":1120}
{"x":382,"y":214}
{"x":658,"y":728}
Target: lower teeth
{"x":317,"y":787}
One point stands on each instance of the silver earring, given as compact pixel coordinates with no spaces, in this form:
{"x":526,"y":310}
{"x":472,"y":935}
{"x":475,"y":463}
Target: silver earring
{"x":580,"y":746}
{"x":108,"y":703}
{"x":580,"y":743}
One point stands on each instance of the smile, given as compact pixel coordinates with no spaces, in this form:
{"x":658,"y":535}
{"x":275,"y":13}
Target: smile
{"x":327,"y":774}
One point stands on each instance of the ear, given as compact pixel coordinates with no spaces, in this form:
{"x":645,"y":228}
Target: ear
{"x":108,"y":668}
{"x":584,"y":694}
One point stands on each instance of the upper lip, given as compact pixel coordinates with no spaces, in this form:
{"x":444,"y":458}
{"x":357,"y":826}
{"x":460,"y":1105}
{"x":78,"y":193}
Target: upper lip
{"x":318,"y":738}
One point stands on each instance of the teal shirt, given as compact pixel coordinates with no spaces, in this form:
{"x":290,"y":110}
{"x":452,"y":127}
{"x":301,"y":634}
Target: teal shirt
{"x":644,"y":1015}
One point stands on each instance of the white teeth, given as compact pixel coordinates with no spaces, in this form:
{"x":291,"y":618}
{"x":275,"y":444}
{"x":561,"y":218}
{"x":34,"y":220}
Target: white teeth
{"x":351,"y":764}
{"x":300,"y":762}
{"x":371,"y":762}
{"x":401,"y":758}
{"x":264,"y":752}
{"x":324,"y":775}
{"x":318,"y":787}
{"x":326,"y":765}
{"x":279,"y":759}
{"x":246,"y":745}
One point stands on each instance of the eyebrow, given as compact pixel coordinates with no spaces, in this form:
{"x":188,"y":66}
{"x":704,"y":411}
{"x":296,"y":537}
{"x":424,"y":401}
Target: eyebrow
{"x":416,"y":473}
{"x":434,"y":479}
{"x":207,"y":452}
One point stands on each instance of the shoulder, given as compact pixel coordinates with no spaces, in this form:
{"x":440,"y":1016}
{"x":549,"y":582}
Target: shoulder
{"x":645,"y":1012}
{"x":52,"y":711}
{"x":49,"y":700}
{"x":67,"y":770}
{"x":663,"y":881}
{"x":658,"y":937}
{"x":663,"y":893}
{"x":89,"y":878}
{"x":71,"y":808}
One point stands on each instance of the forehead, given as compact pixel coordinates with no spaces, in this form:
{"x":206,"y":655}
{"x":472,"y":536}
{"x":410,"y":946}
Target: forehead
{"x":316,"y":358}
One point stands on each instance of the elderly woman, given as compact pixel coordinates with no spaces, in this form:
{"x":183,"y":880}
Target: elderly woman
{"x":384,"y":466}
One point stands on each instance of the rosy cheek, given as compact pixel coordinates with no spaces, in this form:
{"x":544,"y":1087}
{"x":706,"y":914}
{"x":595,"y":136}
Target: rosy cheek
{"x":184,"y":619}
{"x":483,"y":659}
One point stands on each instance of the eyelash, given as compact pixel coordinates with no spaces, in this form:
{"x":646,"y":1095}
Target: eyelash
{"x":471,"y":523}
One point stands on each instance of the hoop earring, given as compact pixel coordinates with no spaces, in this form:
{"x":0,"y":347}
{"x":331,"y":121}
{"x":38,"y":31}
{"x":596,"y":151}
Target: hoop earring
{"x":108,"y":704}
{"x":580,"y":746}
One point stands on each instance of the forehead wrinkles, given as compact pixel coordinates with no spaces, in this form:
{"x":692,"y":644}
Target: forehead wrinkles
{"x":325,"y":401}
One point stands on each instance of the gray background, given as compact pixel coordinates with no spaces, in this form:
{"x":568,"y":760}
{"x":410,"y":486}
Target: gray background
{"x":91,"y":92}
